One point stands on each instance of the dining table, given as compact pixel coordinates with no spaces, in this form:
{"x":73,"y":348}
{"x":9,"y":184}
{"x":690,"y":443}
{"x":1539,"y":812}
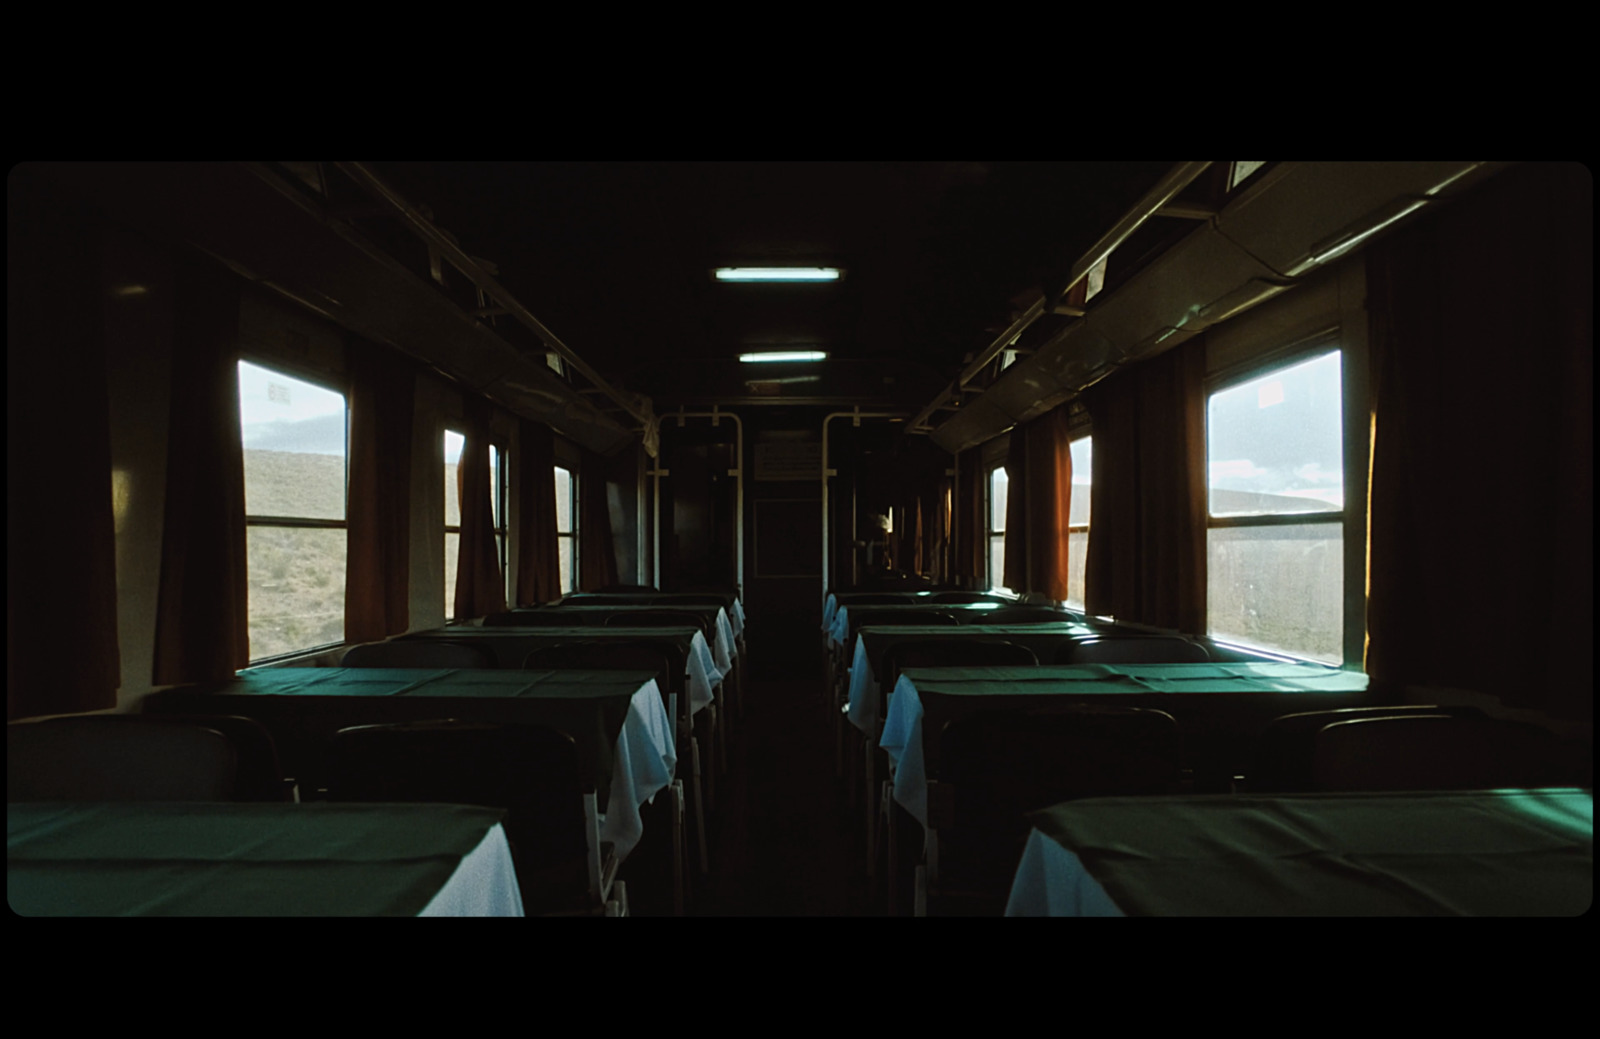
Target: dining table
{"x":686,"y":647}
{"x":865,"y":690}
{"x":617,"y":719}
{"x":831,"y":604}
{"x":714,"y":620}
{"x":1220,"y":707}
{"x":207,"y":859}
{"x":661,"y":600}
{"x":1517,"y":853}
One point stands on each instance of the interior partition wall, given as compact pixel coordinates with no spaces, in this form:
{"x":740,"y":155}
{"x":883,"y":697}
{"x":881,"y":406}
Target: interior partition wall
{"x":697,"y":495}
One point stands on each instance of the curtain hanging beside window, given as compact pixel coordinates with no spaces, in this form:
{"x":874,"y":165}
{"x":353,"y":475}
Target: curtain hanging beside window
{"x":1038,"y":503}
{"x":202,"y":617}
{"x":538,"y":558}
{"x":597,"y":553}
{"x":970,"y":558}
{"x":377,"y":601}
{"x":480,"y":586}
{"x":1482,"y":340}
{"x":61,"y":592}
{"x":1147,"y":545}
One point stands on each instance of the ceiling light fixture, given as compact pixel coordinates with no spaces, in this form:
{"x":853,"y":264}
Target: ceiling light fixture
{"x":784,"y":355}
{"x":777,"y":274}
{"x":788,"y":380}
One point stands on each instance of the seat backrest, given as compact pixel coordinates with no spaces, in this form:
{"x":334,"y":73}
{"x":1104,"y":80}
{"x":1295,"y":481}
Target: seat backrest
{"x":1436,"y":752}
{"x":561,"y":656}
{"x":962,"y":652}
{"x":699,"y":599}
{"x":1027,"y":615}
{"x":608,"y":655}
{"x":531,"y":771}
{"x":968,"y":597}
{"x":896,"y":582}
{"x":663,"y":618}
{"x":534,"y":619}
{"x":1283,"y":753}
{"x":118,"y":757}
{"x":1003,"y":764}
{"x":1151,"y":649}
{"x":880,"y":599}
{"x":429,"y":653}
{"x":260,"y":771}
{"x":905,"y":618}
{"x":626,"y":588}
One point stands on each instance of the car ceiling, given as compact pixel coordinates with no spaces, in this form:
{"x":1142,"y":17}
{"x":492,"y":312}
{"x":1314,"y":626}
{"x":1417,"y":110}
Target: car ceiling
{"x":615,"y":257}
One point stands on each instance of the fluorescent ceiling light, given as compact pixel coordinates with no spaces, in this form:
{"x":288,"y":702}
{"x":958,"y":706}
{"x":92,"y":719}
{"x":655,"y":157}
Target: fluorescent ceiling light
{"x":777,"y":274}
{"x":784,"y":355}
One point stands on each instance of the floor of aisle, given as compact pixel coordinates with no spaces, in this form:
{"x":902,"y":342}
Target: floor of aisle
{"x":783,"y":840}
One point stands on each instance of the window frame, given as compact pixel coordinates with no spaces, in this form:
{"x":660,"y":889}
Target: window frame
{"x":996,"y":581}
{"x":333,"y":384}
{"x":1260,"y":366}
{"x":1081,"y":432}
{"x":572,"y":486}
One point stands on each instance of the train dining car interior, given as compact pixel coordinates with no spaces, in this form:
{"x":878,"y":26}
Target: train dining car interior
{"x":800,"y":539}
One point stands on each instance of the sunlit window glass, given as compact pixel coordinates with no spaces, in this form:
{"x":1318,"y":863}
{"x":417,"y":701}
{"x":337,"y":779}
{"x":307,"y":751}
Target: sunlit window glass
{"x":998,"y":487}
{"x":294,"y":437}
{"x":1274,"y":450}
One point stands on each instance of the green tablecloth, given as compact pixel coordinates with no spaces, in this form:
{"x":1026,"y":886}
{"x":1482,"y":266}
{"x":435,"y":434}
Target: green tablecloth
{"x":857,"y":617}
{"x":304,"y":707}
{"x":176,"y":859}
{"x":1152,"y":678}
{"x":1222,"y":708}
{"x":1500,"y":853}
{"x":1041,"y":638}
{"x":714,"y":621}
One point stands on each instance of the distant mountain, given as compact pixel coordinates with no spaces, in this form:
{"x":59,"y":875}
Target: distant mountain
{"x":1245,"y":503}
{"x":323,"y":435}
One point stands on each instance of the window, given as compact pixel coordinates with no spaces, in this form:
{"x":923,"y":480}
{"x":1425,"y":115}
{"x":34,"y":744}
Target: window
{"x":1078,"y":520}
{"x":998,"y":484}
{"x":1095,"y":280}
{"x":499,"y":496}
{"x":567,"y":528}
{"x":453,"y":443}
{"x":294,"y":435}
{"x":1275,"y":543}
{"x":1239,"y":172}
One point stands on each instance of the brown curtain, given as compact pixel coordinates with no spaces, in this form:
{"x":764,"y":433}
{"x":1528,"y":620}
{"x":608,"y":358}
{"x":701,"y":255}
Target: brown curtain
{"x":377,"y":596}
{"x":597,"y":554}
{"x":1481,"y":531}
{"x":919,"y":562}
{"x":61,"y":594}
{"x":969,"y":559}
{"x":1147,"y":543}
{"x":202,"y":617}
{"x":480,"y":586}
{"x":938,"y":533}
{"x":538,"y":559}
{"x":1038,"y":500}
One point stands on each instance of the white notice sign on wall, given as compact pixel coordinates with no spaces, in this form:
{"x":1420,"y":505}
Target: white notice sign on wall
{"x":789,"y":460}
